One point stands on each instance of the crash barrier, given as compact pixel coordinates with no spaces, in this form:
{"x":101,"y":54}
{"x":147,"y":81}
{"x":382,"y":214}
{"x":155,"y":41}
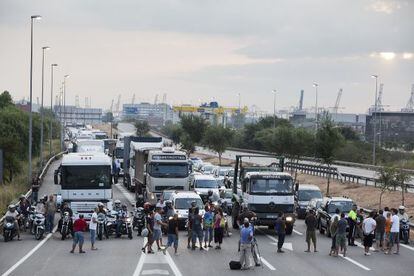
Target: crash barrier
{"x":41,"y":177}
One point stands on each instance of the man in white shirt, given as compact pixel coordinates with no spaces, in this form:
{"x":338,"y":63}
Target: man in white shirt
{"x":395,"y":231}
{"x":368,"y":227}
{"x":92,"y":228}
{"x":11,"y":212}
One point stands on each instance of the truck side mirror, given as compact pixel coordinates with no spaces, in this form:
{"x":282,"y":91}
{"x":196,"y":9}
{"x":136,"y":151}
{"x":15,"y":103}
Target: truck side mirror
{"x":56,"y":177}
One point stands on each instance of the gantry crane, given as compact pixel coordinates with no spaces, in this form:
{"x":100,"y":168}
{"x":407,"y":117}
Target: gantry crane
{"x":410,"y":104}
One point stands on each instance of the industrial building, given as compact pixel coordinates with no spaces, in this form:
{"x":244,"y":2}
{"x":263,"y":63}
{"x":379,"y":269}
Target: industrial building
{"x":155,"y":114}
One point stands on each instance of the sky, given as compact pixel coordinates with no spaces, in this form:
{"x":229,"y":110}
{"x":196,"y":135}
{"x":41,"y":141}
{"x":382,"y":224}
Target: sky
{"x":198,"y":51}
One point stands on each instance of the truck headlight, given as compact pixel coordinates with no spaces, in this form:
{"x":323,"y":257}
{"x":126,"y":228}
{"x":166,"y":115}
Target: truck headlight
{"x":289,"y":219}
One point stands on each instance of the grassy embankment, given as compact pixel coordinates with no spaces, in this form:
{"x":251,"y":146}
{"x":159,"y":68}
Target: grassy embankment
{"x":10,"y":192}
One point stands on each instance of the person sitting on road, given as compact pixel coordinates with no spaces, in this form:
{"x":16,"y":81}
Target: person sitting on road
{"x":12,"y":212}
{"x":246,"y":237}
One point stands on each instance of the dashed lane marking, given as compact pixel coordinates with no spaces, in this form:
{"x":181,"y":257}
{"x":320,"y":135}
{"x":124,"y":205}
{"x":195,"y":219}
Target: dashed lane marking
{"x":355,"y":262}
{"x":155,"y":272}
{"x":286,"y":245}
{"x":31,"y":252}
{"x":266,"y":263}
{"x":297,"y":232}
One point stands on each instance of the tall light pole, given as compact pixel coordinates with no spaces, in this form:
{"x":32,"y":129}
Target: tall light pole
{"x":374,"y":138}
{"x":64,"y":109}
{"x":51,"y":107}
{"x":316,"y":105}
{"x":274,"y":108}
{"x":41,"y":108}
{"x":32,"y":18}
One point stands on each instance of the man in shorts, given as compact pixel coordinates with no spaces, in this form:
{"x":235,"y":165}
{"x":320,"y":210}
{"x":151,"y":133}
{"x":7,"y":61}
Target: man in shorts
{"x":311,"y":222}
{"x":172,"y":234}
{"x":380,"y":231}
{"x":395,"y":231}
{"x":368,"y":228}
{"x":157,"y":227}
{"x":341,"y":235}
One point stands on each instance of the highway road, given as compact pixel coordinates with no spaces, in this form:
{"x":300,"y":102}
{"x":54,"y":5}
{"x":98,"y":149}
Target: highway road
{"x":123,"y":256}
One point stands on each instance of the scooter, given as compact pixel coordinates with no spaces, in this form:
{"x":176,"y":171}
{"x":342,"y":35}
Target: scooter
{"x":139,"y":220}
{"x":38,"y":227}
{"x":66,"y":227}
{"x":110,"y":223}
{"x":100,"y":229}
{"x":9,"y":229}
{"x":405,"y":231}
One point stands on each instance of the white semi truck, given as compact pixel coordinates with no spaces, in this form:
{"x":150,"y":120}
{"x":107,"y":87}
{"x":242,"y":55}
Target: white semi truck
{"x":85,"y":180}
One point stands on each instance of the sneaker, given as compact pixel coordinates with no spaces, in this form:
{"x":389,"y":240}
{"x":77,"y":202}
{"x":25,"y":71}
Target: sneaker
{"x":280,"y":251}
{"x":201,"y":249}
{"x":188,"y":246}
{"x":164,"y":251}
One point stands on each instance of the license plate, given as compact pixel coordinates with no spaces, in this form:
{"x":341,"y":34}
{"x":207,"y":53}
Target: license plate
{"x":271,"y":216}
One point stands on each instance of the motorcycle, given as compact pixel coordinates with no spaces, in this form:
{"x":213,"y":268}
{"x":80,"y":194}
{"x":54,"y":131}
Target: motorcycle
{"x":405,"y":231}
{"x":100,"y":229}
{"x":66,"y":227}
{"x":110,"y":223}
{"x":126,"y":227}
{"x":38,"y":225}
{"x":9,"y":229}
{"x":139,"y":220}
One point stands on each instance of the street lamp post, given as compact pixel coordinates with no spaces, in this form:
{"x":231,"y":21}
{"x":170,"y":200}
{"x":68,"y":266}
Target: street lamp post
{"x":51,"y":107}
{"x":41,"y":108}
{"x":64,"y":109}
{"x":375,"y":122}
{"x":274,"y":108}
{"x":32,"y":18}
{"x":316,"y":105}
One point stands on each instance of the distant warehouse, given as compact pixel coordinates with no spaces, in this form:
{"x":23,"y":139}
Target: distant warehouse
{"x":391,"y":126}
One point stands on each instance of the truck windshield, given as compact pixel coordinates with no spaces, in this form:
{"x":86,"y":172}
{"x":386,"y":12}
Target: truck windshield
{"x":119,"y":153}
{"x":205,"y":183}
{"x":86,"y":177}
{"x":169,"y":170}
{"x":185,"y":203}
{"x":271,"y":186}
{"x":343,"y":206}
{"x":307,"y":195}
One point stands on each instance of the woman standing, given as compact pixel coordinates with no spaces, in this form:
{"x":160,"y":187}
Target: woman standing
{"x":218,"y":228}
{"x":334,"y":229}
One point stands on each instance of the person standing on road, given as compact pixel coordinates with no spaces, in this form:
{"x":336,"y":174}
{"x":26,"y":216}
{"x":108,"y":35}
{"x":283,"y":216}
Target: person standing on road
{"x":352,"y":220}
{"x":358,"y":227}
{"x":208,"y":226}
{"x":235,"y":211}
{"x":79,"y":226}
{"x":157,"y":227}
{"x":334,"y":230}
{"x":395,"y":232}
{"x":368,"y":227}
{"x":388,"y":223}
{"x":50,"y":213}
{"x":197,"y":230}
{"x":280,"y":228}
{"x":219,"y":225}
{"x":172,"y":233}
{"x":380,"y":231}
{"x":386,"y":212}
{"x":341,"y":235}
{"x":92,"y":228}
{"x":35,"y":189}
{"x":246,"y":237}
{"x":191,"y":211}
{"x":311,"y":223}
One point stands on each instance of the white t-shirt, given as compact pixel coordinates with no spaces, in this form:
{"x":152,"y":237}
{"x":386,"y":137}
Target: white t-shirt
{"x":157,"y":218}
{"x":10,"y":214}
{"x":369,"y":225}
{"x":395,"y":228}
{"x":93,"y":225}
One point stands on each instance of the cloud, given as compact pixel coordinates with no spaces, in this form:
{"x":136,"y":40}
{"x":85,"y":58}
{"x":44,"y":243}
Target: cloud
{"x":386,"y":6}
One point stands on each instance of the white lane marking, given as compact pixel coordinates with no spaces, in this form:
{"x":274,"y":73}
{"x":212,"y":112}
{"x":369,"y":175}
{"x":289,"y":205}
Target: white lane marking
{"x":407,"y":246}
{"x":360,"y":245}
{"x":31,"y":252}
{"x":297,"y":232}
{"x":140,"y":265}
{"x":172,"y":265}
{"x":286,"y":245}
{"x":266,"y":263}
{"x":355,"y":262}
{"x":155,"y":272}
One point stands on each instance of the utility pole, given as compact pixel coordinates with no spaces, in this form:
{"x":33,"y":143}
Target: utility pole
{"x":41,"y":108}
{"x":316,"y":105}
{"x":274,"y":108}
{"x":51,"y":107}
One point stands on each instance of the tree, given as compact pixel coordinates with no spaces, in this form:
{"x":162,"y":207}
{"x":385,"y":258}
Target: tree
{"x":348,"y":133}
{"x":301,"y":144}
{"x":5,"y":99}
{"x":401,"y":178}
{"x":194,"y":127}
{"x":218,"y":138}
{"x":187,"y":144}
{"x":386,"y":177}
{"x":142,"y":128}
{"x":328,"y":140}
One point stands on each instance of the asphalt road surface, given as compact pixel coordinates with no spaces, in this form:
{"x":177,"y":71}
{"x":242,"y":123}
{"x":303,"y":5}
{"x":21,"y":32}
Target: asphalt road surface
{"x":123,"y":256}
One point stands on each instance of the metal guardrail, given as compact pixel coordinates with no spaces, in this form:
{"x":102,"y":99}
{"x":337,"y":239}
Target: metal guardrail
{"x":41,"y":176}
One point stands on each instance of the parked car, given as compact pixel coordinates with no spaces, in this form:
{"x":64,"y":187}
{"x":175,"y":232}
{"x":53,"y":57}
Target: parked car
{"x":204,"y":183}
{"x":226,"y":195}
{"x":207,"y":168}
{"x":327,"y":210}
{"x":304,"y":194}
{"x":197,"y":162}
{"x":314,"y":204}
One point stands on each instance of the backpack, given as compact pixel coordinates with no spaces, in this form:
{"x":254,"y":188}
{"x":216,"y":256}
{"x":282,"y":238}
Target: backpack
{"x":235,"y":265}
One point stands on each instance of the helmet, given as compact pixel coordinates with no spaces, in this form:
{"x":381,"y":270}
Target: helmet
{"x":100,"y":204}
{"x":11,"y":206}
{"x":401,"y":208}
{"x":246,"y":220}
{"x":244,"y":205}
{"x":117,"y":202}
{"x":147,"y":206}
{"x":22,"y":197}
{"x":124,"y":206}
{"x":168,"y":203}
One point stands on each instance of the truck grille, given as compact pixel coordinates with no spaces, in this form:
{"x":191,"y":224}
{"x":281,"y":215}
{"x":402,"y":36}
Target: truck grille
{"x":271,"y":208}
